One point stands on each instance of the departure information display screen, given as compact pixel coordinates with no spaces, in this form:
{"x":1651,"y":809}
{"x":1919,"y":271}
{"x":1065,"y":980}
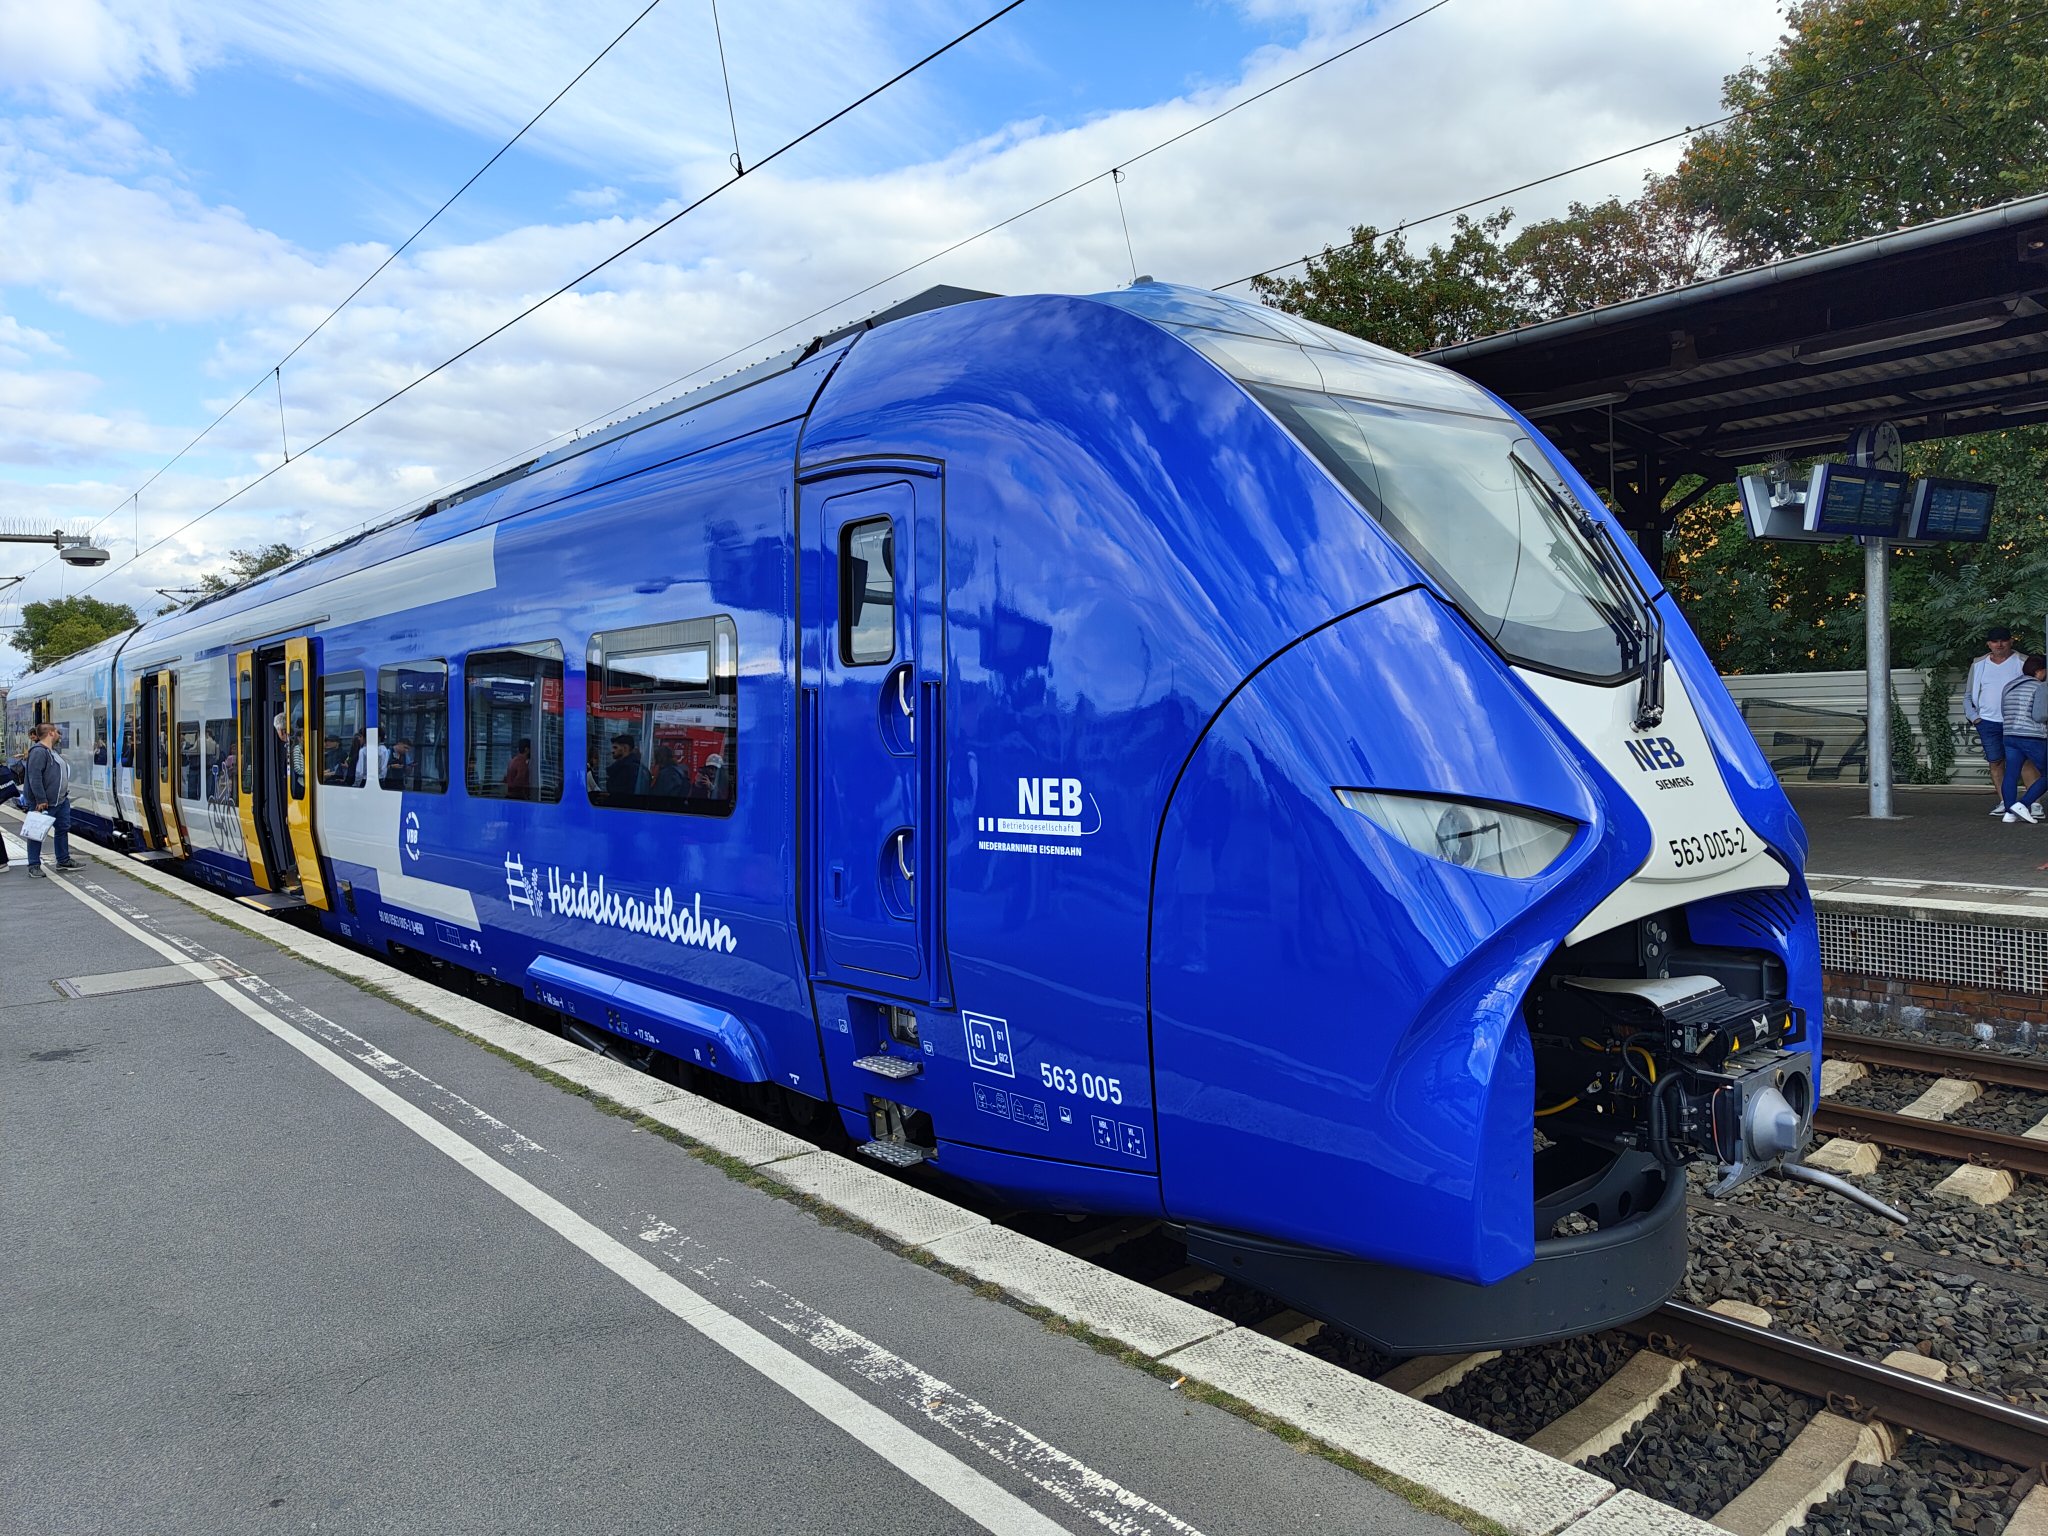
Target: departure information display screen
{"x":1846,"y":501}
{"x":1958,"y":510}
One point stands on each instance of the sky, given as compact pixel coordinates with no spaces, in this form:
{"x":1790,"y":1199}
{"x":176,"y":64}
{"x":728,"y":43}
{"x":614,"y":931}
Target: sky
{"x":189,"y":187}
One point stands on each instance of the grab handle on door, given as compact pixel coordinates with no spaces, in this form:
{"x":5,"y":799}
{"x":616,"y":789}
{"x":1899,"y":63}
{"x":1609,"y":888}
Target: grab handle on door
{"x":903,"y":853}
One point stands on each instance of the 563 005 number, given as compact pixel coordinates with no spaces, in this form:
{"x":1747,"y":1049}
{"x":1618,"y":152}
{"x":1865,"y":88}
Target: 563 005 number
{"x":1089,"y":1085}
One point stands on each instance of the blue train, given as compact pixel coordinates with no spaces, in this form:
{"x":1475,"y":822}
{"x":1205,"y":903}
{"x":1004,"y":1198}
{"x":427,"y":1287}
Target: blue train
{"x":1140,"y":753}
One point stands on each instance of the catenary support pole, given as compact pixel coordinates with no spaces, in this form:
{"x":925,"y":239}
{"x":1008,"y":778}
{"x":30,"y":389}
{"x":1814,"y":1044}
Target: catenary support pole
{"x":1877,"y":646}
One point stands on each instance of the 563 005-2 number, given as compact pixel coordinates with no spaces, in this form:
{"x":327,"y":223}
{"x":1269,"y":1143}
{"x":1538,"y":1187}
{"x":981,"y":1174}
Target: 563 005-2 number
{"x":1709,"y":847}
{"x":1089,"y":1085}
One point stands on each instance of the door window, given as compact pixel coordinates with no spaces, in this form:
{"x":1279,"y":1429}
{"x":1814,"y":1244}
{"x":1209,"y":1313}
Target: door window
{"x":344,"y":743}
{"x":867,"y":592}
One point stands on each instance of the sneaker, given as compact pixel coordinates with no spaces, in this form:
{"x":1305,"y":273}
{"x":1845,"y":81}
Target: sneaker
{"x":67,"y":864}
{"x":2013,"y":816}
{"x":36,"y":871}
{"x":2002,"y":810}
{"x":2029,"y":812}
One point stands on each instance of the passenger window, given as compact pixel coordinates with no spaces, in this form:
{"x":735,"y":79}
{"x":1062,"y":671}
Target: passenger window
{"x":129,"y":728}
{"x":867,"y":592}
{"x":219,"y":748}
{"x":663,"y":709}
{"x":191,"y":769}
{"x":99,"y":735}
{"x":344,"y":743}
{"x":513,"y":722}
{"x":412,"y":727}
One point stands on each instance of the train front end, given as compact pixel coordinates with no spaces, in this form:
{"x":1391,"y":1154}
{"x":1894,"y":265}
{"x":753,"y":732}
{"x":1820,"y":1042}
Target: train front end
{"x":1478,"y":918}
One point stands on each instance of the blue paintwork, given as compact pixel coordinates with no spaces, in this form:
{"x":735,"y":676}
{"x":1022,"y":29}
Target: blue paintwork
{"x":1126,"y":599}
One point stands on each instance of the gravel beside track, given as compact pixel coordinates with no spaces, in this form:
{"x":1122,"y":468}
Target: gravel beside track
{"x":1525,"y":1389}
{"x":1886,"y":1088}
{"x":2005,"y":1236}
{"x":2030,"y":1043}
{"x":2012,"y":1110}
{"x":1866,"y":1301}
{"x":1924,"y":1487}
{"x":1711,"y":1438}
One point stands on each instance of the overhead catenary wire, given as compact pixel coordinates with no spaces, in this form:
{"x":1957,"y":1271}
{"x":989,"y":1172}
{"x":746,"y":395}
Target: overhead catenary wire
{"x":1048,"y":201}
{"x":356,"y":292}
{"x":745,"y":348}
{"x":1856,"y":78}
{"x":634,"y":244}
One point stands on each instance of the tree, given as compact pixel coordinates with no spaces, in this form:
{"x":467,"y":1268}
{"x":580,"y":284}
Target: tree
{"x":246,"y":565}
{"x":57,"y":627}
{"x":1613,"y":252}
{"x":1872,"y":115}
{"x":1375,"y":287}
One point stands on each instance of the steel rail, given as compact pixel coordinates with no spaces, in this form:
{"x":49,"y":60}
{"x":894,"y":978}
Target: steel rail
{"x":1899,"y":1398}
{"x":1908,"y":1056}
{"x":1936,"y":1138}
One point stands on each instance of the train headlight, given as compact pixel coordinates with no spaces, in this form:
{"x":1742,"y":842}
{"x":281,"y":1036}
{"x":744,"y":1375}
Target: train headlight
{"x":1473,"y":834}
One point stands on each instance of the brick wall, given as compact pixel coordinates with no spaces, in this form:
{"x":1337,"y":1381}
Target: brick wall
{"x":1852,"y":999}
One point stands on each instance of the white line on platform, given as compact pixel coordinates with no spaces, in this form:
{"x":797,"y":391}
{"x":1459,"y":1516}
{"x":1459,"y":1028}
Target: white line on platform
{"x":1109,"y":1504}
{"x":984,"y":1501}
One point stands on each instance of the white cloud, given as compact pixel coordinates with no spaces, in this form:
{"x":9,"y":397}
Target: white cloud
{"x":70,"y":52}
{"x":1477,"y":96}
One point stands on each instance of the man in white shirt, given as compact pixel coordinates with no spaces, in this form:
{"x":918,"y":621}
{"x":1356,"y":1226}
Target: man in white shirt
{"x":1984,"y":698}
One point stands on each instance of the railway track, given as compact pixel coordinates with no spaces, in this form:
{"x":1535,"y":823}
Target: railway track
{"x":1927,"y":1130}
{"x":1865,"y":1403}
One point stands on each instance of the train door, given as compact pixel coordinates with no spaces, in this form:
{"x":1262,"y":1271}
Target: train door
{"x":873,"y":859}
{"x":156,"y":765}
{"x":276,"y":700}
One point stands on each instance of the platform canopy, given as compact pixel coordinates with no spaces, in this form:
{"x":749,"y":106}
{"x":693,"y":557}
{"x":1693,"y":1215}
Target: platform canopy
{"x":1941,"y":329}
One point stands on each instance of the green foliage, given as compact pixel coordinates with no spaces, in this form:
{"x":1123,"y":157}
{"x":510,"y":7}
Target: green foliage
{"x":245,"y":565}
{"x":1377,"y":288}
{"x":1613,"y":252}
{"x":1936,"y":694}
{"x":1871,"y":115}
{"x":1761,"y":607}
{"x":58,"y":626}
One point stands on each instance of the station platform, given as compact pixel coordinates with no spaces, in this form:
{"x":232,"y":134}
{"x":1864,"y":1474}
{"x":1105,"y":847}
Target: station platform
{"x":1934,"y":920}
{"x":282,"y":1254}
{"x":1940,"y":835}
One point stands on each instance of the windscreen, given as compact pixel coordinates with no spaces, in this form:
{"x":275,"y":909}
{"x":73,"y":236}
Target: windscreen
{"x":1475,"y":504}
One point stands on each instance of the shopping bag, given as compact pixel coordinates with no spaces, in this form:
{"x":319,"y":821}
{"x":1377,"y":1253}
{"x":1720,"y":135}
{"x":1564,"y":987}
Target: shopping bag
{"x":36,"y":825}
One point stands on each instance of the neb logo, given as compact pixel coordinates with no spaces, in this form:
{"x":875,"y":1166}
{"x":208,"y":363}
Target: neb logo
{"x":1655,"y":752}
{"x":1049,"y":797}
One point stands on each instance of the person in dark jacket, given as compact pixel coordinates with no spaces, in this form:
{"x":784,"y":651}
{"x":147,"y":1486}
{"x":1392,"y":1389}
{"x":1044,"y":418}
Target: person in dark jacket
{"x":668,"y":777}
{"x":49,"y":789}
{"x":625,"y":775}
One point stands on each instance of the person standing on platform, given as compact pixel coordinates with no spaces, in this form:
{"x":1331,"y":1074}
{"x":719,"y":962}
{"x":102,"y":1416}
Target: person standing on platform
{"x":2026,"y":738}
{"x":49,"y":789}
{"x":1984,"y":701}
{"x":9,"y":795}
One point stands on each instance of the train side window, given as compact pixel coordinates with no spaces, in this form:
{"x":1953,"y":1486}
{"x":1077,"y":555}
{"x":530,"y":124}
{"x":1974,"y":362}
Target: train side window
{"x":412,"y":727}
{"x":512,"y":719}
{"x":867,"y":592}
{"x":129,"y":728}
{"x":100,"y":739}
{"x":663,"y":717}
{"x":191,"y":769}
{"x":219,"y":747}
{"x":343,"y":740}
